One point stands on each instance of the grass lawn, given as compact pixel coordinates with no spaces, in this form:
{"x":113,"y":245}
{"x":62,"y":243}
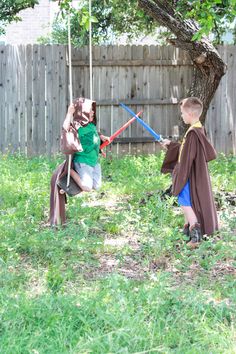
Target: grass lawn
{"x":119,"y":278}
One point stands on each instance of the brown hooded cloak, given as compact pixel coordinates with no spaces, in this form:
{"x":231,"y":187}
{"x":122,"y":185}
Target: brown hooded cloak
{"x":57,"y":200}
{"x":197,"y":151}
{"x":83,"y":106}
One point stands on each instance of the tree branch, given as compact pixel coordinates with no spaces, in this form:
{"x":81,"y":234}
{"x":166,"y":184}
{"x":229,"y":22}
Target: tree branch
{"x":208,"y":65}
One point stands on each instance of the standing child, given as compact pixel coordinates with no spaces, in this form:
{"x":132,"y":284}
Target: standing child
{"x":191,"y":181}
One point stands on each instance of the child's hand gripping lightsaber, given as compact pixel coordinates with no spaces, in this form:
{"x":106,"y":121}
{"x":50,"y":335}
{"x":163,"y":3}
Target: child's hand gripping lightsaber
{"x":113,"y":136}
{"x":151,"y":131}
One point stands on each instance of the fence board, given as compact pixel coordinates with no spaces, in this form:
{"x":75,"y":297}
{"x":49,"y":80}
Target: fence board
{"x":41,"y":90}
{"x":106,"y":118}
{"x":55,"y":112}
{"x":3,"y":66}
{"x":49,"y":93}
{"x":22,"y":98}
{"x":9,"y":106}
{"x":63,"y":85}
{"x":117,"y":85}
{"x":29,"y":100}
{"x":36,"y":99}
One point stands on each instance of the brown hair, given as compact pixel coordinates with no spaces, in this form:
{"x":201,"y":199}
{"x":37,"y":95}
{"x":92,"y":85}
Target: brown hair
{"x":192,"y":104}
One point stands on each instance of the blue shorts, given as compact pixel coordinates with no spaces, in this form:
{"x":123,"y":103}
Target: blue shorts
{"x":184,"y":198}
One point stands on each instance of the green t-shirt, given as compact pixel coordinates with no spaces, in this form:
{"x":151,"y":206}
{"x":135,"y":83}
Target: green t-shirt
{"x":90,"y":142}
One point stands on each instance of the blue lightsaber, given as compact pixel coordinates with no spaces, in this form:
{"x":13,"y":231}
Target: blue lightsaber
{"x":151,"y":131}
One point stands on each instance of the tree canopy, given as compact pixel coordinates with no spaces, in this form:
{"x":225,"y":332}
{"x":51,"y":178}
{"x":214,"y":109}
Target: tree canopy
{"x":190,"y":24}
{"x":9,"y":10}
{"x":114,"y":18}
{"x":212,"y":16}
{"x":110,"y":18}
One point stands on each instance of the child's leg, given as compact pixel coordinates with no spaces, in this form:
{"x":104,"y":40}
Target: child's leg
{"x":189,"y":215}
{"x":194,"y":227}
{"x":77,"y":180}
{"x":184,"y":200}
{"x":83,"y":176}
{"x":97,"y":177}
{"x":185,"y":219}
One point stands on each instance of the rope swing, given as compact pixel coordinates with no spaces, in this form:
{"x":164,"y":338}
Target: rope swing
{"x":90,"y":52}
{"x":70,"y":90}
{"x":70,"y":70}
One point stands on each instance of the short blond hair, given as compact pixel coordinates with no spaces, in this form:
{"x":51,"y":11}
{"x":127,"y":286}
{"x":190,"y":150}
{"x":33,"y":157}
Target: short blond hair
{"x":192,"y":105}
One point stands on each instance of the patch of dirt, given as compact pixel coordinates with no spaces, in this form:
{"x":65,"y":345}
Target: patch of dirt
{"x":130,"y":264}
{"x":36,"y":285}
{"x":127,"y":267}
{"x":162,"y":263}
{"x":223,"y":268}
{"x":117,"y":262}
{"x":223,"y":199}
{"x":217,"y":272}
{"x":111,"y":203}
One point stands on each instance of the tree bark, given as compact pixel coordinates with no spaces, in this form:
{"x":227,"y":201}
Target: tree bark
{"x":208,"y":65}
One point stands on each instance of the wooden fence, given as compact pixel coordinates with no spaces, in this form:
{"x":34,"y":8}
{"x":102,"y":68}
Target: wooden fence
{"x":34,"y":94}
{"x":221,"y":117}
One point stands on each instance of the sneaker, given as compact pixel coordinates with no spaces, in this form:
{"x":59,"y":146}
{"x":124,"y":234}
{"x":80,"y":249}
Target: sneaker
{"x":195,"y":235}
{"x":186,"y":230}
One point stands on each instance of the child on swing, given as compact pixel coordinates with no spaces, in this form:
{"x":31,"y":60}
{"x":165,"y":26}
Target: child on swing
{"x":191,"y":181}
{"x":87,"y":169}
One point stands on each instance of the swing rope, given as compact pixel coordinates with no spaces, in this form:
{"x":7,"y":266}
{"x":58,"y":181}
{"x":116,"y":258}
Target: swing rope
{"x":135,"y":116}
{"x":70,"y":72}
{"x":90,"y":52}
{"x":70,"y":61}
{"x":70,"y":91}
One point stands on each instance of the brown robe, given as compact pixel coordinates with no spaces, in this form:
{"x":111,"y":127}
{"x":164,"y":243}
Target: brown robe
{"x":81,"y":117}
{"x":197,"y":151}
{"x":57,"y":200}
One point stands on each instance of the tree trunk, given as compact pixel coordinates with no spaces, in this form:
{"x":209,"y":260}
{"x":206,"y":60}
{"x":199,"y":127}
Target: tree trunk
{"x":208,"y":65}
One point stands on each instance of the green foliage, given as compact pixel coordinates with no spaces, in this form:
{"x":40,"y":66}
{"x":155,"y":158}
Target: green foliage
{"x":79,"y":23}
{"x":110,"y":19}
{"x":222,"y":167}
{"x":9,"y":10}
{"x":119,"y":278}
{"x":54,"y":279}
{"x":213,"y":16}
{"x":114,"y":18}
